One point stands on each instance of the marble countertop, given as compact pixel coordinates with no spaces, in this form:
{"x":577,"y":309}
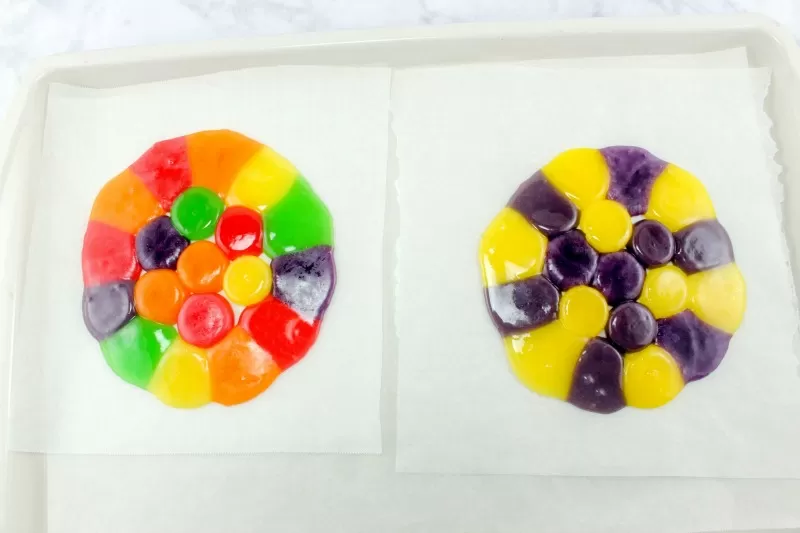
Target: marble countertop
{"x":34,"y":28}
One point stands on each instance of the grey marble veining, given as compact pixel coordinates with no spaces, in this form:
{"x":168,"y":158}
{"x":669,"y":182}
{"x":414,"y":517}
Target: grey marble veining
{"x":34,"y":28}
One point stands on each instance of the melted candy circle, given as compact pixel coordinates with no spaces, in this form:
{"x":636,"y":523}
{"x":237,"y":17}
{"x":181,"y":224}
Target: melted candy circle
{"x":201,"y":267}
{"x":195,"y":213}
{"x":631,"y":326}
{"x":204,"y":319}
{"x":664,"y":291}
{"x":159,"y":295}
{"x":652,"y":243}
{"x":169,"y":331}
{"x":247,"y":280}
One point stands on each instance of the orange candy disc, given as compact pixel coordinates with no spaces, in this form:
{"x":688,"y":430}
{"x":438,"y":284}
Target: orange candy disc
{"x":240,"y":368}
{"x":201,"y":267}
{"x":159,"y":295}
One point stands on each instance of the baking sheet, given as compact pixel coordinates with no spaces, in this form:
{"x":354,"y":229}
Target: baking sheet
{"x":350,"y":494}
{"x":332,"y":124}
{"x":467,"y":136}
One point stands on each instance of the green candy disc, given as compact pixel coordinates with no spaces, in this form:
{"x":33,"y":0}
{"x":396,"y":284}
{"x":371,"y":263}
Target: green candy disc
{"x":134,"y":351}
{"x":195,"y":213}
{"x":298,"y":222}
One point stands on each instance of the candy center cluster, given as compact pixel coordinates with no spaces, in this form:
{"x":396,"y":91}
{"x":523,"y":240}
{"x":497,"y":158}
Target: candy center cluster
{"x":611,"y":280}
{"x":207,"y":266}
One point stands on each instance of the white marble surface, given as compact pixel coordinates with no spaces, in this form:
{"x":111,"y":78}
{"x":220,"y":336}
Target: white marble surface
{"x":33,"y":28}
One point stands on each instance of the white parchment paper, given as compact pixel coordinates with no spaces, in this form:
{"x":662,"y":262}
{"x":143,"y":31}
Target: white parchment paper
{"x":466,"y":138}
{"x":332,"y":124}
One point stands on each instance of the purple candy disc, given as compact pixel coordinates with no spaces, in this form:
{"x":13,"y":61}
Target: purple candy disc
{"x":522,"y":305}
{"x":158,"y":244}
{"x":632,"y":172}
{"x":597,"y":379}
{"x":107,"y":307}
{"x":697,"y":347}
{"x":570,"y":261}
{"x":702,"y":246}
{"x":305,"y":281}
{"x":652,"y":243}
{"x":544,"y":206}
{"x":619,"y":277}
{"x":631,"y":326}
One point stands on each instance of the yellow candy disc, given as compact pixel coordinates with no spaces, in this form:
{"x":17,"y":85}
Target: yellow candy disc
{"x":678,"y":199}
{"x":248,"y":280}
{"x":580,"y":173}
{"x":650,"y":378}
{"x":718,"y":297}
{"x":607,"y":226}
{"x":510,"y":249}
{"x":665,"y":291}
{"x":583,"y":311}
{"x":544,"y":359}
{"x":182,"y":378}
{"x":262,"y":181}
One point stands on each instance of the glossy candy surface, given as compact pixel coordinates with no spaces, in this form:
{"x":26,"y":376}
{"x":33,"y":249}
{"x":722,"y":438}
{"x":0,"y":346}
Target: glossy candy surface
{"x":181,"y":378}
{"x":570,"y":261}
{"x":240,"y":232}
{"x":247,"y":280}
{"x":596,"y":384}
{"x":702,"y":246}
{"x":619,"y":277}
{"x":107,"y":307}
{"x":564,"y":265}
{"x":204,"y":319}
{"x":523,"y":305}
{"x":195,"y":216}
{"x":196,"y":212}
{"x":134,"y":351}
{"x":652,"y":243}
{"x":544,"y":206}
{"x":511,"y":249}
{"x":631,"y":326}
{"x":304,"y":281}
{"x":201,"y":267}
{"x":297,"y":222}
{"x":159,"y":296}
{"x":607,"y":226}
{"x":159,"y":244}
{"x":109,"y":254}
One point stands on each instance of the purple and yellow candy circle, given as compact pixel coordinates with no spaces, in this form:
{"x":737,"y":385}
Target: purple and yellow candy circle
{"x":611,"y":280}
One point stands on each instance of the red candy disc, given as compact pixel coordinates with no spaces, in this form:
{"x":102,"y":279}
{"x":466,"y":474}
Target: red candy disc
{"x":109,"y":254}
{"x":279,"y":330}
{"x":240,"y":231}
{"x":165,"y":171}
{"x":204,"y":319}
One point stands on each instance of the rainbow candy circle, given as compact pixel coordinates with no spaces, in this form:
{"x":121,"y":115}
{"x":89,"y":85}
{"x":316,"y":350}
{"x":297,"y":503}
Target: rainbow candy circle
{"x":611,"y":280}
{"x":207,"y":269}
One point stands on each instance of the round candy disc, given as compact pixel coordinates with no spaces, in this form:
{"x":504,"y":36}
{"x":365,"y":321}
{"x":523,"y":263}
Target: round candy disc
{"x":107,"y":307}
{"x":619,"y":277}
{"x":159,"y":295}
{"x":240,"y":232}
{"x":564,"y":265}
{"x":208,"y":221}
{"x":201,"y":267}
{"x":158,"y":244}
{"x":204,"y":319}
{"x":631,"y":326}
{"x":570,"y":261}
{"x":195,"y":213}
{"x":652,"y":243}
{"x":607,"y":226}
{"x":247,"y":280}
